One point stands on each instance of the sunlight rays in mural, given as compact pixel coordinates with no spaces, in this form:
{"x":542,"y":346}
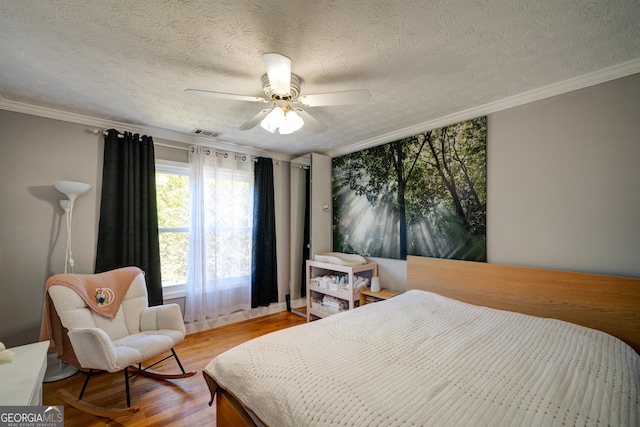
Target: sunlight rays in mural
{"x":425,"y":237}
{"x":369,"y":227}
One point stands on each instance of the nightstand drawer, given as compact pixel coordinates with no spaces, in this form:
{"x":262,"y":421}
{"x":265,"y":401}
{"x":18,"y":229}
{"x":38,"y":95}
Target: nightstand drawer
{"x":367,"y":296}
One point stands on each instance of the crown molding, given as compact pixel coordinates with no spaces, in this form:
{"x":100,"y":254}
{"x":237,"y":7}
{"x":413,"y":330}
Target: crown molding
{"x":99,"y":124}
{"x":601,"y":76}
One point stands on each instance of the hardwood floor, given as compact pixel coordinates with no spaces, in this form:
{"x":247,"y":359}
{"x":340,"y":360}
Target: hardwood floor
{"x":182,"y":402}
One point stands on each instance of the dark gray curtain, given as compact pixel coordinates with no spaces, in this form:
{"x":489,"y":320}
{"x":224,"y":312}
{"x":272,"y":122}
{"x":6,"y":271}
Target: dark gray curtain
{"x":307,"y":241}
{"x":264,"y":271}
{"x":128,"y":230}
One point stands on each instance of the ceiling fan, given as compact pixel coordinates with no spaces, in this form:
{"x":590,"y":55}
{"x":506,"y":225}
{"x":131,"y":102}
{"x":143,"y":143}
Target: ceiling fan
{"x":282,"y":90}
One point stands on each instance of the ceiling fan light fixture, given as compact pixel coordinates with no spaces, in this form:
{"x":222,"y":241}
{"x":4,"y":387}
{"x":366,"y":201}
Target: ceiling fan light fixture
{"x":282,"y":89}
{"x":282,"y":119}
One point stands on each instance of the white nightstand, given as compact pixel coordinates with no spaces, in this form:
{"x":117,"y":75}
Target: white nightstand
{"x":22,"y":378}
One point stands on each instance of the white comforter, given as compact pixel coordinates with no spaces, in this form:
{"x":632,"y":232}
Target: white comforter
{"x":420,"y":359}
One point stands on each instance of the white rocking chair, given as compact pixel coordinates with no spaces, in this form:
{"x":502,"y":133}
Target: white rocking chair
{"x":135,"y":334}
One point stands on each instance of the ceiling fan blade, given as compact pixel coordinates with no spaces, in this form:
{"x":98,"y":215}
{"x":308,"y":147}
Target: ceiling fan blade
{"x":254,"y":120}
{"x":310,"y":122}
{"x":220,"y":95}
{"x":279,"y":72}
{"x":349,"y":97}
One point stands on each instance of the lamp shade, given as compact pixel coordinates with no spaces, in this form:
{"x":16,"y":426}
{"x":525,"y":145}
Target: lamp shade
{"x":282,"y":119}
{"x":273,"y":120}
{"x":72,"y":189}
{"x":292,"y":122}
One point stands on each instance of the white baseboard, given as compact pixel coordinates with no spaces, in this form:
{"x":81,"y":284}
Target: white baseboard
{"x":238,"y":317}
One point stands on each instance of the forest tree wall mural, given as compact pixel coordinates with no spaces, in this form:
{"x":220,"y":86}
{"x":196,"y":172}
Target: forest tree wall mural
{"x":423,"y":195}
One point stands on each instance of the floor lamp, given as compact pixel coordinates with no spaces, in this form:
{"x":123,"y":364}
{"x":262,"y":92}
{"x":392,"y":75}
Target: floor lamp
{"x":72,"y":190}
{"x":57,"y":369}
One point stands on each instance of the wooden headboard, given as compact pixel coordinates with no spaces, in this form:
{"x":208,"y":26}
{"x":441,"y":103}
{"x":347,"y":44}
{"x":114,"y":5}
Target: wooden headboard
{"x":607,"y":303}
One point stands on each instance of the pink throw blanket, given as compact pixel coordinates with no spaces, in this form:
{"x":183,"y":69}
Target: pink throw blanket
{"x":102,"y":292}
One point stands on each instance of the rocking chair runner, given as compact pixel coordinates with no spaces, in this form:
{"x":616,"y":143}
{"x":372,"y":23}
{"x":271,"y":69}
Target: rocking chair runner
{"x":116,"y":342}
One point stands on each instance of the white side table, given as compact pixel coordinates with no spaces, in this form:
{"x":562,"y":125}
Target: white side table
{"x":22,"y":378}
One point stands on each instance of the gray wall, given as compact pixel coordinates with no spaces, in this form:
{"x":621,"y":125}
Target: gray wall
{"x":33,"y":153}
{"x":564,"y":181}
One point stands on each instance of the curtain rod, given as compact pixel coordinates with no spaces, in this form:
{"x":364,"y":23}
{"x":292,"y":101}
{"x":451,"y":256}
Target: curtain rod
{"x":242,"y":157}
{"x":225,"y":154}
{"x":121,"y":135}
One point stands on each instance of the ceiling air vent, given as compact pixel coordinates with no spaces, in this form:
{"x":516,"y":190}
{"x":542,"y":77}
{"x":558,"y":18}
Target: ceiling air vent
{"x":209,"y":133}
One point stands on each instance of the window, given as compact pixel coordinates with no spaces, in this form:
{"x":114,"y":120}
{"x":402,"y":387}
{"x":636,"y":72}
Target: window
{"x":205,"y":231}
{"x":172,"y":188}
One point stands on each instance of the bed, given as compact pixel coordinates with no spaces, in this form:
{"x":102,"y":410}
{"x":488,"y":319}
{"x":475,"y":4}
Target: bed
{"x":468,"y":344}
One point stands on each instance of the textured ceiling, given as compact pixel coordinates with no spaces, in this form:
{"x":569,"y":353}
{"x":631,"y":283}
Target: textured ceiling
{"x":130,"y":61}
